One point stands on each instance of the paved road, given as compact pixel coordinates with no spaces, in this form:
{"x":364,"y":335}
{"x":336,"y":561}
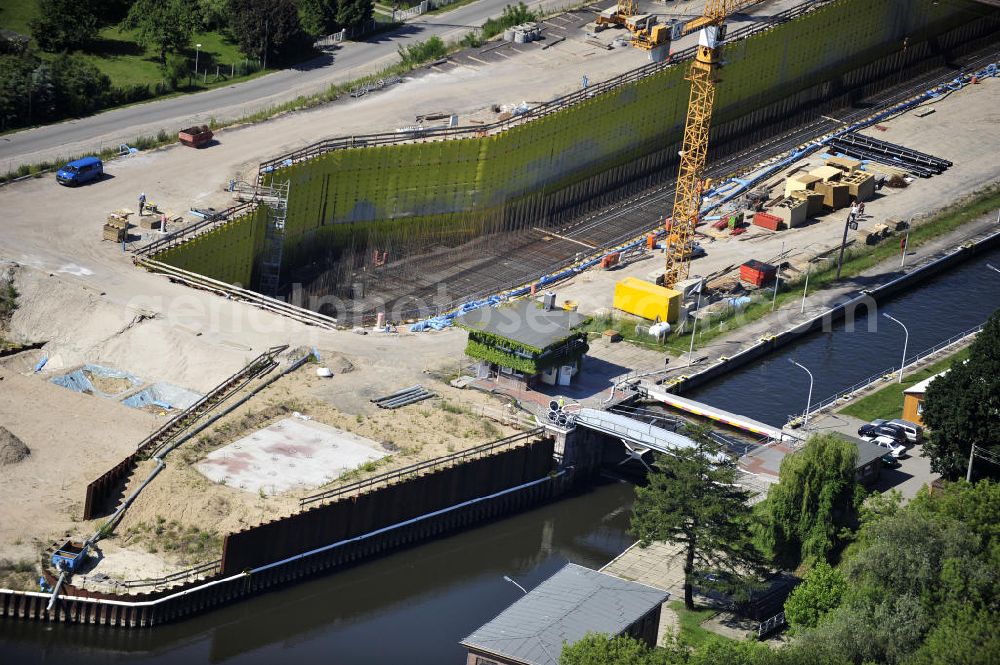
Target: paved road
{"x":353,"y":60}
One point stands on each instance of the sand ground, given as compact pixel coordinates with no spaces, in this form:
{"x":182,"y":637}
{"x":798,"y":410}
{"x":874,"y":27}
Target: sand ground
{"x":86,"y":300}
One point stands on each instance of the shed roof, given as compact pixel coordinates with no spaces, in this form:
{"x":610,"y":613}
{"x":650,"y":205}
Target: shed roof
{"x":921,"y":388}
{"x":564,"y":608}
{"x":868,"y":452}
{"x":525,"y":322}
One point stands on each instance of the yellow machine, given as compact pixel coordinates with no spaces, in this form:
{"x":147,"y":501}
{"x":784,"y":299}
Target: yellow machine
{"x":694,"y":149}
{"x":647,"y":32}
{"x":617,"y":15}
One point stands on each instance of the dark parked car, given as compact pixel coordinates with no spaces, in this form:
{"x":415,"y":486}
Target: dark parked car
{"x":80,"y":171}
{"x":882,"y":428}
{"x":890,"y":461}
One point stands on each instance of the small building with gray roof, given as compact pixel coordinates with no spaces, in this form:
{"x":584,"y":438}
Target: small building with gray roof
{"x":561,"y":610}
{"x":525,"y":342}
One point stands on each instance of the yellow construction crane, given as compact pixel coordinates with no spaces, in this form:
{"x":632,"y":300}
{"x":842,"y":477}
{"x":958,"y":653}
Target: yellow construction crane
{"x":694,"y":149}
{"x":618,"y":14}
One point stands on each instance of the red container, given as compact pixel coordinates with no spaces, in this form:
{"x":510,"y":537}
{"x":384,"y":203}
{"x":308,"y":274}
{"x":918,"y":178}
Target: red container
{"x":757,"y":273}
{"x":611,"y":260}
{"x":766,"y":221}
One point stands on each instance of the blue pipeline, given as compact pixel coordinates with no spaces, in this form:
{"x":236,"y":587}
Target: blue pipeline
{"x":728,"y":189}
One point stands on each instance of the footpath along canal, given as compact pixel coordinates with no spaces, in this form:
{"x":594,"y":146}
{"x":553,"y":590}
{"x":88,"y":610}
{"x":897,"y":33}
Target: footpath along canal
{"x":415,"y":605}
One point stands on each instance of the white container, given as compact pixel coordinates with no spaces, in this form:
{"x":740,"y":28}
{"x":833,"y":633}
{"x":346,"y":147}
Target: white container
{"x":660,"y":329}
{"x":566,"y":373}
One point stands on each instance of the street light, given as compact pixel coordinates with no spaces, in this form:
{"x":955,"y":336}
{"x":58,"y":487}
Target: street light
{"x":777,"y":276}
{"x":511,"y":580}
{"x":806,"y":287}
{"x":694,"y":326}
{"x":805,"y":417}
{"x":906,"y":340}
{"x":197,"y":50}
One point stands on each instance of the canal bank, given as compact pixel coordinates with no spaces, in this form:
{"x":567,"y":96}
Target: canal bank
{"x":416,"y":601}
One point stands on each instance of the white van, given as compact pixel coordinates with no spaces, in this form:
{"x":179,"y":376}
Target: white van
{"x":913,"y":431}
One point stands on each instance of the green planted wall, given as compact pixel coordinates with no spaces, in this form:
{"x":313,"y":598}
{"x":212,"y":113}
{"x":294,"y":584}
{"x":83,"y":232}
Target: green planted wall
{"x":226,"y":253}
{"x":353,"y":199}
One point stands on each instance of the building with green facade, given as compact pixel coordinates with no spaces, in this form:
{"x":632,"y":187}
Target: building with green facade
{"x":525,"y":343}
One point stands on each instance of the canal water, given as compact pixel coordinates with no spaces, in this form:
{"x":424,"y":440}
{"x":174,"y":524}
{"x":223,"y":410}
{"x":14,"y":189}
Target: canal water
{"x":415,"y":605}
{"x":410,"y":607}
{"x":772,"y":388}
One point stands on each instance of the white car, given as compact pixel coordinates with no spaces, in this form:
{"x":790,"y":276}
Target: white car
{"x":895,"y":449}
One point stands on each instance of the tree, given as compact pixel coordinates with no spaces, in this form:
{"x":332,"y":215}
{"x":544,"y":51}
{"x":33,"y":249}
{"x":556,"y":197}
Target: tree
{"x":63,"y":25}
{"x":598,"y":649}
{"x":355,"y":15}
{"x":962,"y":408}
{"x":80,"y":87}
{"x":692,"y":499}
{"x":166,"y":25}
{"x":964,"y":636}
{"x":15,"y":82}
{"x":821,"y":591}
{"x":318,"y":17}
{"x":264,"y":28}
{"x":813,"y":500}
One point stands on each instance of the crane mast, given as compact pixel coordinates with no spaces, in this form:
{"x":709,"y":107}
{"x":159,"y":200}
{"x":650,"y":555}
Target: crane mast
{"x":694,"y":148}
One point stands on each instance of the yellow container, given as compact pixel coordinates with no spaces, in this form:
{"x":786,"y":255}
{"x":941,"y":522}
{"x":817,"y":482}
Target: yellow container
{"x":647,"y":300}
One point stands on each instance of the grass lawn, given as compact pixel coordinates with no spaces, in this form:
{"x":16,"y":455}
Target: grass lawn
{"x":691,"y":633}
{"x":887,"y":403}
{"x":116,"y":53}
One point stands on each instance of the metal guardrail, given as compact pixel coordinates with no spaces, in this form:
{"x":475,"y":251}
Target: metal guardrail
{"x":768,"y":626}
{"x":542,"y":110}
{"x":414,"y":469}
{"x":192,"y":230}
{"x":886,"y":374}
{"x":208,"y":569}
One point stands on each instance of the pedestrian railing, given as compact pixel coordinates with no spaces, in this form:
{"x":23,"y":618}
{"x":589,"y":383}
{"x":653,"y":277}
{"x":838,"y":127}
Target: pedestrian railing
{"x":771,"y":625}
{"x":558,"y":104}
{"x":885,"y":375}
{"x":201,"y":571}
{"x":412,"y":470}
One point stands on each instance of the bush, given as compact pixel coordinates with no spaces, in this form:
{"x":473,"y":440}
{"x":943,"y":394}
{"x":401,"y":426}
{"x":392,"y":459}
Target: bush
{"x":80,"y":87}
{"x":512,"y":15}
{"x":414,"y":54}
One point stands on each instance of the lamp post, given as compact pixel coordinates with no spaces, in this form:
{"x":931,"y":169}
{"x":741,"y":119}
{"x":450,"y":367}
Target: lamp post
{"x":511,"y":580}
{"x":805,"y":417}
{"x":197,"y":51}
{"x":694,"y":326}
{"x":906,"y":340}
{"x":806,"y":287}
{"x":850,"y":223}
{"x":777,"y":276}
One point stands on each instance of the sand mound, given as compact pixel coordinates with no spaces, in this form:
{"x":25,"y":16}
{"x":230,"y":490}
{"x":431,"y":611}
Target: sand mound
{"x":12,"y":449}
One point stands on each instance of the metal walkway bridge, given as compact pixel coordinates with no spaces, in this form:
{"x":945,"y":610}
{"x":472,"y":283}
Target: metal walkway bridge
{"x":638,"y":437}
{"x":657,"y":393}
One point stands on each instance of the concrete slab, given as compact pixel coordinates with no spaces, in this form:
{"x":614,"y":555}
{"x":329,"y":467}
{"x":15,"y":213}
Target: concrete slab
{"x":288,"y":454}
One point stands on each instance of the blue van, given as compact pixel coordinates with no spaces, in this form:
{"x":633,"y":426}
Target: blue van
{"x":80,"y":171}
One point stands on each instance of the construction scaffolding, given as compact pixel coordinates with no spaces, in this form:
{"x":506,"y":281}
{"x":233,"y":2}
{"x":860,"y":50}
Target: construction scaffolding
{"x":276,"y":198}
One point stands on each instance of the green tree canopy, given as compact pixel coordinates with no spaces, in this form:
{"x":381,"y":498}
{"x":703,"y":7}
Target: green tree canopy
{"x":692,"y":499}
{"x":166,"y":25}
{"x":598,"y":649}
{"x":912,"y":578}
{"x":265,"y":29}
{"x":962,"y":408}
{"x":821,"y":591}
{"x":813,"y":500}
{"x":64,"y":25}
{"x":318,"y":17}
{"x":355,"y":15}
